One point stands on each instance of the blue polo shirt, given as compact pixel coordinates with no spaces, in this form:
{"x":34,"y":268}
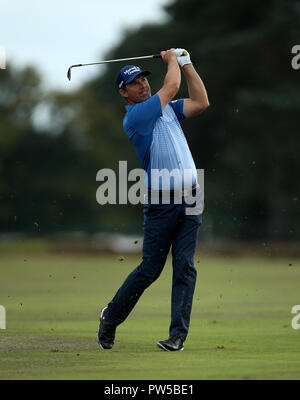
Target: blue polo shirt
{"x":160,"y":143}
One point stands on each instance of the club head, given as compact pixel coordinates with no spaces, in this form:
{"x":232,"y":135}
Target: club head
{"x":69,"y":73}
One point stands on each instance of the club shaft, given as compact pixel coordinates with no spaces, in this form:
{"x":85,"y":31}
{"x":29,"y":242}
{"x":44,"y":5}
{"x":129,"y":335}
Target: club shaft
{"x":121,"y":59}
{"x":112,"y":61}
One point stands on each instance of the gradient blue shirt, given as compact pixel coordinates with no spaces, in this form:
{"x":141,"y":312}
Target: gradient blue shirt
{"x":159,"y":141}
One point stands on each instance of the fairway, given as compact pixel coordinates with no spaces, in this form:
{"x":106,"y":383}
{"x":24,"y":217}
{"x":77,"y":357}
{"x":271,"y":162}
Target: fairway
{"x":240,"y":326}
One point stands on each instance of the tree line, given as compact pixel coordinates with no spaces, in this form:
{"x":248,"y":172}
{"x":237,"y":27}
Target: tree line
{"x":247,"y":141}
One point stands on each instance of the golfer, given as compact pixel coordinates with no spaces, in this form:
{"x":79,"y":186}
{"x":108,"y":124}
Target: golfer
{"x":152,"y":125}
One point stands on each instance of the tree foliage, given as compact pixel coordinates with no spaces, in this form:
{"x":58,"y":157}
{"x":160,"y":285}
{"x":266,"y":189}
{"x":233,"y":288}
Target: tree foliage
{"x":247,"y":141}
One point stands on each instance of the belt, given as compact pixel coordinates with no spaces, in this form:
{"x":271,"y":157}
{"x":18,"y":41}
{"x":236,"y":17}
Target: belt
{"x":174,"y":193}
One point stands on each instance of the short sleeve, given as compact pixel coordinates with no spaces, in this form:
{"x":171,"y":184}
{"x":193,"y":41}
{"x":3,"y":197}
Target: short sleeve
{"x":142,"y":117}
{"x":177,"y":106}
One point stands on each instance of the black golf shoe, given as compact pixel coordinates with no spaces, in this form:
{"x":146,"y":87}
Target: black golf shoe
{"x":172,"y":344}
{"x":106,"y":333}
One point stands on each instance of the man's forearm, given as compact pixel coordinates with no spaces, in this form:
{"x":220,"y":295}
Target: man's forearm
{"x":172,"y":79}
{"x":196,"y":88}
{"x":173,"y":76}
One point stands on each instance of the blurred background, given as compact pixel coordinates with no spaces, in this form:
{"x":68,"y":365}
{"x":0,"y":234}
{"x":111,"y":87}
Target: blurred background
{"x":55,"y":134}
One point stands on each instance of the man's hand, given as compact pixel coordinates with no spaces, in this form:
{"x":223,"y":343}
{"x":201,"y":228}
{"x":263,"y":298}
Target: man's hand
{"x":168,"y":55}
{"x":182,"y":60}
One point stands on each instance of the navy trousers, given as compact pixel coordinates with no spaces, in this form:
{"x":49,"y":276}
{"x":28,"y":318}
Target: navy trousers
{"x":165,"y":225}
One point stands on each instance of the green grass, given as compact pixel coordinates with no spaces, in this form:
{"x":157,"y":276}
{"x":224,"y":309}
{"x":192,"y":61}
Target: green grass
{"x":240,"y":326}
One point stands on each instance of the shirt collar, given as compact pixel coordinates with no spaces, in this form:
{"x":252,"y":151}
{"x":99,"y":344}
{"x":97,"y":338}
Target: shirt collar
{"x":128,"y":107}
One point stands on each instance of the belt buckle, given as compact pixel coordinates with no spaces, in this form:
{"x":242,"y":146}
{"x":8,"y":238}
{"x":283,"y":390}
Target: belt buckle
{"x":186,"y":192}
{"x":189,"y":191}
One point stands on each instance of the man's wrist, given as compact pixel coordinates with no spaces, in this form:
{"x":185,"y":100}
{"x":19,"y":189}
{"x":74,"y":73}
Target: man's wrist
{"x":173,"y":63}
{"x":172,"y":59}
{"x":186,"y":67}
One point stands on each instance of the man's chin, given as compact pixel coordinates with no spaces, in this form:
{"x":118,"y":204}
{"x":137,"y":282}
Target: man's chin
{"x":144,"y":97}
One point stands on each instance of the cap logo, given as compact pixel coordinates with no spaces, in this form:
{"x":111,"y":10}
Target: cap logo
{"x":131,"y":70}
{"x":120,"y":84}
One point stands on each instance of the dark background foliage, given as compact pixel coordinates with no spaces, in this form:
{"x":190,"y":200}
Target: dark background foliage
{"x":247,"y":141}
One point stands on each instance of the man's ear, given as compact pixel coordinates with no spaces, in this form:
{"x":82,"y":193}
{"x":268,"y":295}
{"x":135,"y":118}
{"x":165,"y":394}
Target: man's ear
{"x":123,"y":93}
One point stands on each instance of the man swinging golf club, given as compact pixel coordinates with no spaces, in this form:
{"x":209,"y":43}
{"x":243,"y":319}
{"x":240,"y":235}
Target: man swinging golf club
{"x":152,"y":125}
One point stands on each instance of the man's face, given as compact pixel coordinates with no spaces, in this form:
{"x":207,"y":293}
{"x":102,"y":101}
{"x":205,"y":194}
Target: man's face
{"x":137,"y":91}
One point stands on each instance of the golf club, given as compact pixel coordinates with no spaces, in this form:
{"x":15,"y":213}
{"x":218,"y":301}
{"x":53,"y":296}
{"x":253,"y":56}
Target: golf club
{"x":112,"y":61}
